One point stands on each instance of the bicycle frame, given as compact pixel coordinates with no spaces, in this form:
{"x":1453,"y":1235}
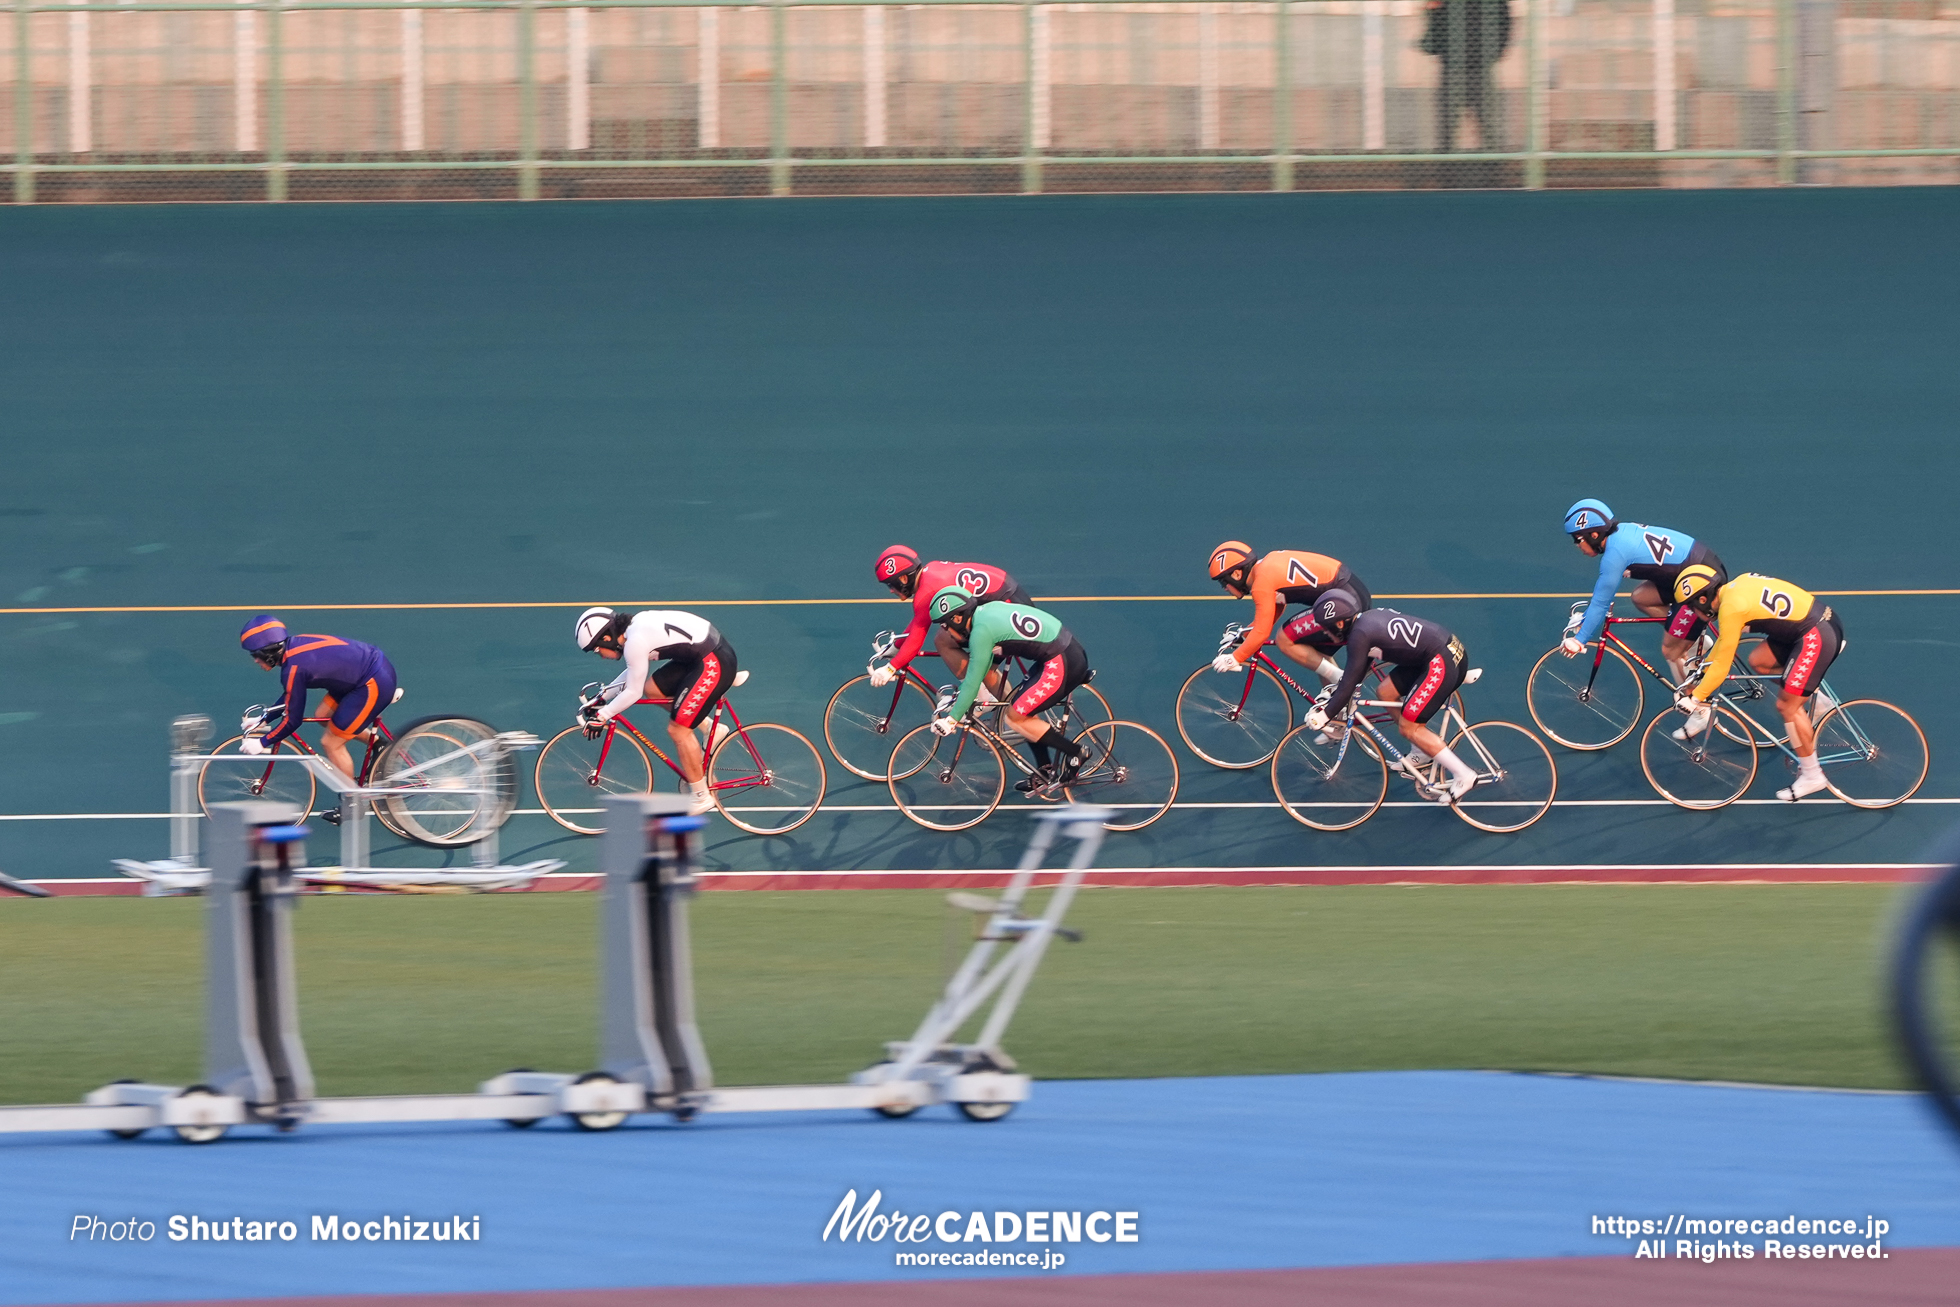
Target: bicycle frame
{"x":1452,"y":721}
{"x":1000,"y":741}
{"x":1263,"y":659}
{"x":376,"y":738}
{"x":1759,"y":685}
{"x":1607,"y":637}
{"x":736,"y":729}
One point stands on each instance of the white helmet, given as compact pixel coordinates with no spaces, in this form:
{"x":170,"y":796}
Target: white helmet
{"x":593,"y":624}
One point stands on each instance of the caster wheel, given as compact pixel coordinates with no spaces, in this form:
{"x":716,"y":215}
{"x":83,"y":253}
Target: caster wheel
{"x":200,"y":1134}
{"x":598,"y":1120}
{"x":984,"y":1111}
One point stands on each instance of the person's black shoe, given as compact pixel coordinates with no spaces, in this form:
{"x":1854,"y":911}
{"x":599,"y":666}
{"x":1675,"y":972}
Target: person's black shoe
{"x":1042,"y":778}
{"x":331,"y":816}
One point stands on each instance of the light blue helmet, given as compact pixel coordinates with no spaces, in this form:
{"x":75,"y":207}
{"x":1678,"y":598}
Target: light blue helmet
{"x":1590,"y":520}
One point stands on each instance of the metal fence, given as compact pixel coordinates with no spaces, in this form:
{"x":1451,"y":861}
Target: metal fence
{"x":374,"y":99}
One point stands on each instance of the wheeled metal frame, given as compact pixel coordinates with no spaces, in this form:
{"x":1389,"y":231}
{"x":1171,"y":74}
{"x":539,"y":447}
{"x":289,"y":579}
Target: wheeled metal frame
{"x":652,"y":1055}
{"x":184,"y":873}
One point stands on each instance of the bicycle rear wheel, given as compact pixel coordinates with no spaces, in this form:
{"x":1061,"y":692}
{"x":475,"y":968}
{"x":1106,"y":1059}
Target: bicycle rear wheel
{"x":458,"y":790}
{"x":947,"y":783}
{"x":1708,"y":770}
{"x":1581,"y":708}
{"x":767,"y":779}
{"x":863,"y":721}
{"x":1234,"y":722}
{"x":1516,"y":776}
{"x":1926,"y":991}
{"x":256,"y":779}
{"x":571,"y":782}
{"x":1873,"y":754}
{"x":1332,"y":786}
{"x":1128,"y":767}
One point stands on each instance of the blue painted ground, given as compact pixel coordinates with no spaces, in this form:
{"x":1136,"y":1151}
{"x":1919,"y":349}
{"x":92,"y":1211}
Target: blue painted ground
{"x":1248,"y":1172}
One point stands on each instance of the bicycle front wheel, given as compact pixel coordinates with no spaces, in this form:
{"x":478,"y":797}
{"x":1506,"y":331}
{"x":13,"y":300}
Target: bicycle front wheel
{"x":572,"y":779}
{"x":1127,"y":767}
{"x":947,"y":783}
{"x":1873,"y":754}
{"x":1926,"y":992}
{"x":1233,"y":721}
{"x":457,"y":788}
{"x":863,"y":721}
{"x":1708,"y":770}
{"x":256,"y":779}
{"x":1516,"y":777}
{"x":1331,"y":784}
{"x":767,"y":779}
{"x":1582,"y":708}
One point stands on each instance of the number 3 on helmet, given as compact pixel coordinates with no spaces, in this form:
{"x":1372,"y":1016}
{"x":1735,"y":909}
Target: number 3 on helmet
{"x":1694,"y":585}
{"x":1231,"y":564}
{"x":896,"y":567}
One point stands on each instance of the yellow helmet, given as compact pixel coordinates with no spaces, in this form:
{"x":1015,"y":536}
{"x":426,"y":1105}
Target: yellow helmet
{"x":1694,"y":585}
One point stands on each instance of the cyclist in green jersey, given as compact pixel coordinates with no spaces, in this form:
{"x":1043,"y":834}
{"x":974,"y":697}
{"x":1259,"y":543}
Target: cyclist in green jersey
{"x":1058,"y":665}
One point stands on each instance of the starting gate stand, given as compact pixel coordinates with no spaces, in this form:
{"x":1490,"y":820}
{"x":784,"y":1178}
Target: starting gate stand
{"x":653,"y":1059}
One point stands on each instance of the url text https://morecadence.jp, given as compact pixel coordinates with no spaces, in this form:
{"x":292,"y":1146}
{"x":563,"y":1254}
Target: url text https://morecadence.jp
{"x":1722,"y":1238}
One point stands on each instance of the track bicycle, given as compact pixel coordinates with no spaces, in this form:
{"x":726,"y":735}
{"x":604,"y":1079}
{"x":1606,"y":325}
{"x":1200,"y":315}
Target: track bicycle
{"x":1335,"y":778}
{"x":1873,"y":753}
{"x":450,"y":792}
{"x":1926,"y":985}
{"x":955,"y":781}
{"x":862,"y":721}
{"x":1236,"y":724}
{"x":1593,"y":703}
{"x":765,"y":778}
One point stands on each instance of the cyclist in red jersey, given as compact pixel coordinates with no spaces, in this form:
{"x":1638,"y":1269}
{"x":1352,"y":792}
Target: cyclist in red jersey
{"x":899,"y":569}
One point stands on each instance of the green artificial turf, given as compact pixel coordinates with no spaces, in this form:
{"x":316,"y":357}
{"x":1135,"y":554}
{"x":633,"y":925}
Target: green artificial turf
{"x":1759,"y":983}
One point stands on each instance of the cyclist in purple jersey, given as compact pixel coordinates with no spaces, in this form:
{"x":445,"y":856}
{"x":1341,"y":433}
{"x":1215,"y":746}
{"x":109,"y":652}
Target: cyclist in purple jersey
{"x":358,"y":679}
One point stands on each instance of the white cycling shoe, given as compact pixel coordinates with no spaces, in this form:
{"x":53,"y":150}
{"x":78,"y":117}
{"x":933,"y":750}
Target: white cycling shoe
{"x":1806,"y":783}
{"x":1697,"y":723}
{"x":1455,"y":788}
{"x":700,"y":805}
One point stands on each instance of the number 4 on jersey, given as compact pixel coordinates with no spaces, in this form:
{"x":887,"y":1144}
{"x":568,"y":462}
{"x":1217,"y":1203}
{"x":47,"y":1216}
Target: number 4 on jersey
{"x":1660,"y":546}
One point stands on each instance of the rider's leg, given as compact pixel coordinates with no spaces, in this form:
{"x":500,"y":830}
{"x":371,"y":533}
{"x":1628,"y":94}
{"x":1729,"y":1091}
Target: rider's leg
{"x":334,"y":745}
{"x":1309,"y":657}
{"x":1648,"y":598}
{"x":1420,"y":737}
{"x":687,"y":753}
{"x":954,"y":657}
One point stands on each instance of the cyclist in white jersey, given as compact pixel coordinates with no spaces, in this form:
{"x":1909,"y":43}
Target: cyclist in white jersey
{"x":698,"y":666}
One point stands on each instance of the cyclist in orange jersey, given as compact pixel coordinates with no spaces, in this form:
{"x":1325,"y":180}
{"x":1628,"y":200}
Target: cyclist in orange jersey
{"x":1285,"y":576}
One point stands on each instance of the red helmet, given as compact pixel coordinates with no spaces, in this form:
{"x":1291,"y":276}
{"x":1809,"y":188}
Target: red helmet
{"x":896,"y":566}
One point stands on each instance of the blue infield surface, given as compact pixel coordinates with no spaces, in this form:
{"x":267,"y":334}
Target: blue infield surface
{"x":1224,"y":1173}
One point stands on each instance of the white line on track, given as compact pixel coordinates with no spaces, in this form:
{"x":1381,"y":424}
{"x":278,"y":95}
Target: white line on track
{"x":888,"y":807}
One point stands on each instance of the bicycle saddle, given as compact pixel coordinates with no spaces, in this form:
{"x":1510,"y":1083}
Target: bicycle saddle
{"x":398,"y":695}
{"x":1470,"y":677}
{"x":742,"y":677}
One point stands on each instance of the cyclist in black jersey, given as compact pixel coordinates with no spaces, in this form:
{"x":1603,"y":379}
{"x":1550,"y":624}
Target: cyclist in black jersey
{"x":1429,"y":665}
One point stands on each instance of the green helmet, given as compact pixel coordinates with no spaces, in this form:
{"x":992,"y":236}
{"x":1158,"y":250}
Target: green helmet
{"x":949,"y":603}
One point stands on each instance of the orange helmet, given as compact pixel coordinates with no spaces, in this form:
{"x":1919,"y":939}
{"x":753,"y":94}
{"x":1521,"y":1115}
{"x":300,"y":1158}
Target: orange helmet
{"x":1231,"y":563}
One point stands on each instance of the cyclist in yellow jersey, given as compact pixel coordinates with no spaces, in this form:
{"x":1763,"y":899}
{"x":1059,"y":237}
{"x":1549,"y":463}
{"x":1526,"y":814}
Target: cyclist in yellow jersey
{"x":1802,"y":636}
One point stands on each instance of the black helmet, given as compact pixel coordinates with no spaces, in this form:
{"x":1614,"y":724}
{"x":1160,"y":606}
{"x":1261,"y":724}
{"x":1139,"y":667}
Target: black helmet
{"x":1335,"y":609}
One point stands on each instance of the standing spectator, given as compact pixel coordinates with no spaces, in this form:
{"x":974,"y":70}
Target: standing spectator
{"x":1468,"y":36}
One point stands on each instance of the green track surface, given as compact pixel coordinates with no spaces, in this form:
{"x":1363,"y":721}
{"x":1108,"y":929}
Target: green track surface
{"x":744,"y":400}
{"x":1757,"y":983}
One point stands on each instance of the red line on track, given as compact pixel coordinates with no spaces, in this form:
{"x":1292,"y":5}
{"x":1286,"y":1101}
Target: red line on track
{"x":1911,"y":1277}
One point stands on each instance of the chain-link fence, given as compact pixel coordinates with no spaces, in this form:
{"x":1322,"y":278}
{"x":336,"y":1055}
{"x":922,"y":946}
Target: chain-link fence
{"x":365,"y":99}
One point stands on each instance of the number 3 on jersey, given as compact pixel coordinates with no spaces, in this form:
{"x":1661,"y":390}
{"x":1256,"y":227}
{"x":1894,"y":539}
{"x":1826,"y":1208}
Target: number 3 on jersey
{"x":972,"y":581}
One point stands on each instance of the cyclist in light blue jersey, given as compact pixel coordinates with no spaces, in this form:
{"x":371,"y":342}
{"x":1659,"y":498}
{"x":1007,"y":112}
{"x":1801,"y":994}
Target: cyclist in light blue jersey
{"x":1652,"y":556}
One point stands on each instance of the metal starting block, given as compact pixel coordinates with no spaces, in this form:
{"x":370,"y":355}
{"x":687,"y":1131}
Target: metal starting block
{"x":652,"y":1056}
{"x":183,"y":871}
